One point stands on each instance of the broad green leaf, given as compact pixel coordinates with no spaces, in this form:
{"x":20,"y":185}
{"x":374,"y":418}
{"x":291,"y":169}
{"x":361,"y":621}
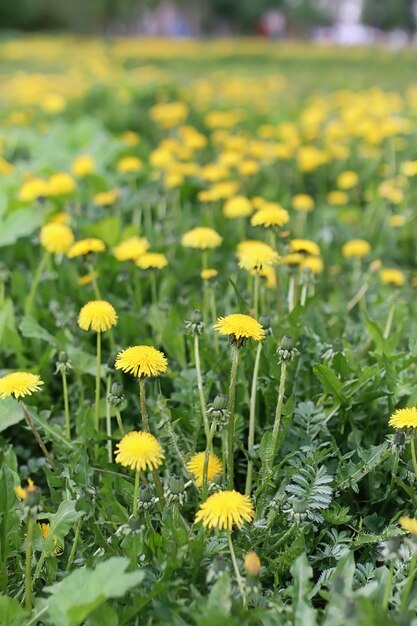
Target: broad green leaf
{"x":61,"y":523}
{"x":11,"y":612}
{"x":330,"y":381}
{"x":220,"y":599}
{"x":29,"y":327}
{"x":10,"y":413}
{"x":73,"y":599}
{"x":304,"y":613}
{"x":20,"y":223}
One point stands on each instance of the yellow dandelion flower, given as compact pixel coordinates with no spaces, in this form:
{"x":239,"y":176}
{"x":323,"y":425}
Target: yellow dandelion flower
{"x":239,"y":206}
{"x":312,"y":263}
{"x":85,"y":246}
{"x":269,"y":216}
{"x":82,"y":166}
{"x":129,"y":164}
{"x":302,"y":202}
{"x":305,"y":246}
{"x":87,"y":279}
{"x":130,"y":138}
{"x":61,"y":218}
{"x":196,"y":467}
{"x":60,"y":184}
{"x":32,"y":189}
{"x":347,"y":180}
{"x":337,"y":198}
{"x":152,"y":260}
{"x":396,"y":221}
{"x":225,"y":508}
{"x":139,"y":451}
{"x":392,"y":276}
{"x":208,"y":274}
{"x":23,"y":492}
{"x":202,"y":238}
{"x":99,"y":315}
{"x":45,"y":528}
{"x":19,"y":384}
{"x":106,"y":198}
{"x":240,"y":326}
{"x":252,"y":563}
{"x":141,"y":361}
{"x":292,"y":259}
{"x":131,"y":249}
{"x":254,"y":255}
{"x":409,"y":524}
{"x":356,"y":248}
{"x":404,"y":418}
{"x":56,"y":238}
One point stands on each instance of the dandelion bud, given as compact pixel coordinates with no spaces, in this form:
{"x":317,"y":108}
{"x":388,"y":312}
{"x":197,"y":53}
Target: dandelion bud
{"x":63,"y":365}
{"x":195,"y":325}
{"x":218,"y":410}
{"x":265,"y":322}
{"x":252,"y":563}
{"x":220,"y":402}
{"x":116,"y":397}
{"x":174,"y":490}
{"x":398,"y":441}
{"x":286,"y":350}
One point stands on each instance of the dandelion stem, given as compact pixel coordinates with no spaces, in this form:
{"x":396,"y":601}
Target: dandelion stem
{"x":214,"y":316}
{"x":143,"y":409}
{"x":66,"y":403}
{"x":231,"y":409}
{"x":136,"y":493}
{"x":236,"y":568}
{"x":413,"y":453}
{"x":119,"y":422}
{"x":291,"y":292}
{"x":200,"y":385}
{"x":278,"y":411}
{"x":32,"y":294}
{"x":98,"y":375}
{"x":74,"y":544}
{"x":154,"y":291}
{"x":38,"y":438}
{"x":388,"y":587}
{"x":304,"y":291}
{"x":252,"y":417}
{"x":28,"y":565}
{"x":390,"y":319}
{"x":207,"y":456}
{"x":108,"y":421}
{"x":409,"y":582}
{"x":256,"y":285}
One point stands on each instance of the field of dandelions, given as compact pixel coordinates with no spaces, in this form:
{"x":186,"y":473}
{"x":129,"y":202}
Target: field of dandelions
{"x":208,"y":334}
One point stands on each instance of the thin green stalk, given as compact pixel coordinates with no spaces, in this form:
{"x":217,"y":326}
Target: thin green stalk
{"x":207,"y":457}
{"x":98,"y":376}
{"x":38,"y":438}
{"x":200,"y":385}
{"x":387,"y":593}
{"x":28,"y":565}
{"x":409,"y":582}
{"x":108,"y":421}
{"x":304,"y":291}
{"x":143,"y":409}
{"x":119,"y":422}
{"x":66,"y":403}
{"x":158,"y":487}
{"x":413,"y":453}
{"x":256,"y":285}
{"x":74,"y":544}
{"x":136,"y":493}
{"x":291,"y":291}
{"x":280,"y":403}
{"x":32,"y":293}
{"x":94,"y":283}
{"x":390,"y":319}
{"x":236,"y":568}
{"x":231,"y":409}
{"x":154,"y":291}
{"x":214,"y":316}
{"x":252,"y":417}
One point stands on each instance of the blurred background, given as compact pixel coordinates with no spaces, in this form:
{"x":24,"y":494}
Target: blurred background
{"x":392,"y":22}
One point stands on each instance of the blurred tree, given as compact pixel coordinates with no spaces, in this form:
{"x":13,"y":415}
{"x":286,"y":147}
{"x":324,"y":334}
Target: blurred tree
{"x":390,"y":14}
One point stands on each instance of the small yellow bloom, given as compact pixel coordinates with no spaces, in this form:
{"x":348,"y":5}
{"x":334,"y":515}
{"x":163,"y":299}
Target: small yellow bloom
{"x":240,"y":326}
{"x":141,"y":361}
{"x":270,"y":215}
{"x":252,"y":563}
{"x":19,"y":384}
{"x":404,"y":418}
{"x":347,"y":180}
{"x":202,"y":238}
{"x":130,"y":138}
{"x":152,"y":260}
{"x":129,"y":164}
{"x":304,"y":246}
{"x":239,"y":206}
{"x":23,"y":492}
{"x":392,"y":276}
{"x":409,"y":524}
{"x":208,"y":274}
{"x":196,"y":467}
{"x":99,"y":315}
{"x":312,"y":263}
{"x":139,"y":451}
{"x":33,"y":189}
{"x":131,"y":249}
{"x":356,"y":248}
{"x":303,"y":202}
{"x":45,"y":529}
{"x":60,"y":184}
{"x":254,"y":255}
{"x":87,"y":279}
{"x":5,"y":167}
{"x":56,"y":238}
{"x":85,"y":246}
{"x":106,"y":198}
{"x":292,"y":259}
{"x":225,"y":508}
{"x":337,"y":198}
{"x":396,"y":221}
{"x":83,"y":166}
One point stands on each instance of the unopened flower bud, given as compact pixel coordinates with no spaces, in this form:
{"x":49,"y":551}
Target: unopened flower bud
{"x":220,"y":402}
{"x":252,"y":563}
{"x":195,"y":325}
{"x":116,"y":397}
{"x":265,"y":321}
{"x":286,"y":350}
{"x":63,"y":365}
{"x":218,"y":410}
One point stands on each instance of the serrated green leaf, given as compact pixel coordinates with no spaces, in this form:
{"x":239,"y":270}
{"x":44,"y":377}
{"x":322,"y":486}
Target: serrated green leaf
{"x":31,"y":329}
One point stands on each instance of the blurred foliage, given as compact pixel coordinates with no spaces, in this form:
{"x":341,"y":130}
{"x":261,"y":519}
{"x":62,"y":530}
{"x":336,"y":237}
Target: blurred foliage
{"x":390,"y":14}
